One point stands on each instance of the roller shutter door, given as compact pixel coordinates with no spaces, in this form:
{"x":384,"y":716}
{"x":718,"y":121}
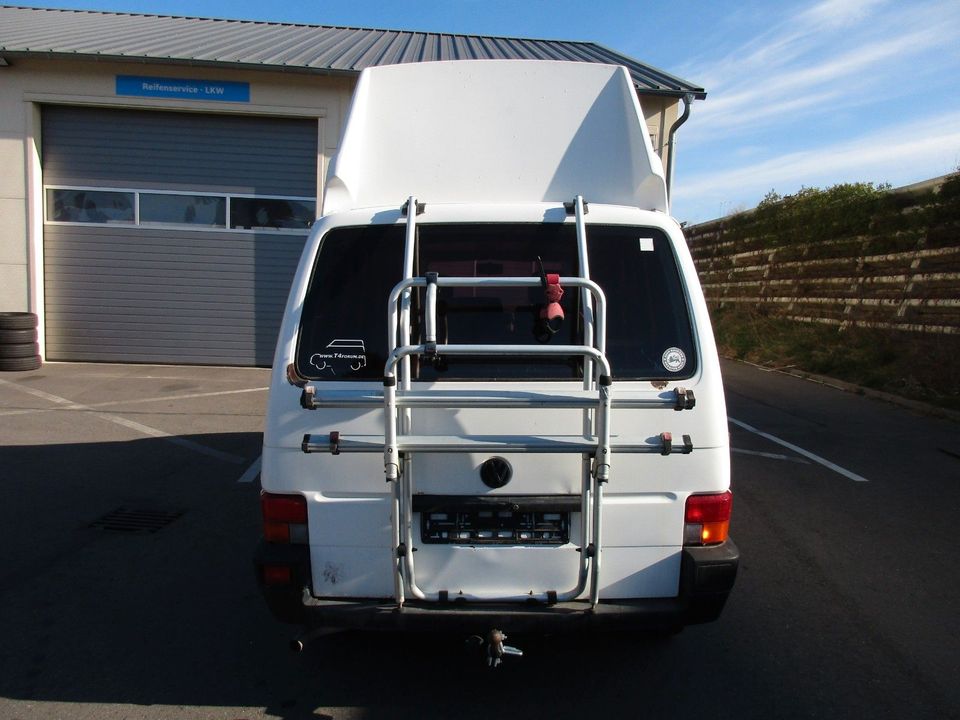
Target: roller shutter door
{"x":194,"y":290}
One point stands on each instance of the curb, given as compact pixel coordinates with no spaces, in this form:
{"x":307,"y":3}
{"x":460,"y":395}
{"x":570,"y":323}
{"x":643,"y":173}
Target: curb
{"x":915,"y":405}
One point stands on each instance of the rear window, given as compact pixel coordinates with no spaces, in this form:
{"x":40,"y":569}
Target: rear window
{"x":343,"y":331}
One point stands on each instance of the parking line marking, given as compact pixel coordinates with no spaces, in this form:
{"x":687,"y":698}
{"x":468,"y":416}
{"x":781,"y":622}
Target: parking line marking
{"x":130,"y":424}
{"x":180,"y":397}
{"x":161,"y":434}
{"x":252,"y":471}
{"x":69,"y":404}
{"x":800,"y":451}
{"x":772,"y":456}
{"x":74,"y":406}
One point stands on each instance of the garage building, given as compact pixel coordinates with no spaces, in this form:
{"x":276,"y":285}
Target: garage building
{"x":162,"y":173}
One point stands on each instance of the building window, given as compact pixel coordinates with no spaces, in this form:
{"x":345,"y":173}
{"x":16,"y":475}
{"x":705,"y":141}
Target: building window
{"x":91,"y":206}
{"x":206,"y":210}
{"x":199,"y":211}
{"x":255,"y":213}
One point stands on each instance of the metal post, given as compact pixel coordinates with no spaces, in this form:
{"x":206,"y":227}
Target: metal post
{"x":590,"y":499}
{"x":405,"y":418}
{"x":595,"y":560}
{"x":585,"y":297}
{"x":430,"y":310}
{"x":391,"y":456}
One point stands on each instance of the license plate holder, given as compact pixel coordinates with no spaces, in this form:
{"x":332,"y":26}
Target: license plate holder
{"x":495,"y":520}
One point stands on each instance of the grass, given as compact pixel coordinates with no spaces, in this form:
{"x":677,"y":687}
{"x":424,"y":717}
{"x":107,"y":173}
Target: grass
{"x":918,"y":366}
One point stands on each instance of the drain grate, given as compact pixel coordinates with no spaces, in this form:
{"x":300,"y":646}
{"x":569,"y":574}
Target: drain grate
{"x":132,"y":520}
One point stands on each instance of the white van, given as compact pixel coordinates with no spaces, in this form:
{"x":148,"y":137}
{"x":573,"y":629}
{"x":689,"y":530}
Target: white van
{"x":496,"y":399}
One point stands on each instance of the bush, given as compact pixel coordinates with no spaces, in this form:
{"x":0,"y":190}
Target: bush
{"x":914,"y":365}
{"x":847,"y":221}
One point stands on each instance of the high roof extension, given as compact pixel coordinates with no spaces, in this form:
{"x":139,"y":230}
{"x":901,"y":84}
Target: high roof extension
{"x":32,"y":32}
{"x":503,"y":131}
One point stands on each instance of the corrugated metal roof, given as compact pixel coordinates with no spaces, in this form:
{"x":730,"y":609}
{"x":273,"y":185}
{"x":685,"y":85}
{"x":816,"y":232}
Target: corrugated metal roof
{"x":268,"y":45}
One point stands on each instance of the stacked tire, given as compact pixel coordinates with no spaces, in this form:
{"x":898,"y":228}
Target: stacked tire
{"x":18,"y":341}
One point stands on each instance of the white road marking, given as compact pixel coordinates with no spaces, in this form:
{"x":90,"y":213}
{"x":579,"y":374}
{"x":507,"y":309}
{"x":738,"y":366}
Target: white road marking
{"x":181,"y":397}
{"x":129,"y":424}
{"x":799,"y":450}
{"x":766,"y":368}
{"x":252,"y":471}
{"x":135,"y":401}
{"x":56,"y":399}
{"x":772,"y":456}
{"x":182,"y":442}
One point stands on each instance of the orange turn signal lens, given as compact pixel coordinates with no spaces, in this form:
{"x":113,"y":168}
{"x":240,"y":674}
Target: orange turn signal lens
{"x":714,"y":532}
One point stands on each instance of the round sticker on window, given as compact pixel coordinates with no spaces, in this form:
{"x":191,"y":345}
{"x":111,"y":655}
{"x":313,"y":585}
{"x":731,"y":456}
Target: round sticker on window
{"x":674,"y":360}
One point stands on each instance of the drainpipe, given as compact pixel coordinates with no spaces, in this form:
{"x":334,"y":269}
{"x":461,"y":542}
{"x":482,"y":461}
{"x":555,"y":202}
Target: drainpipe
{"x":687,"y":104}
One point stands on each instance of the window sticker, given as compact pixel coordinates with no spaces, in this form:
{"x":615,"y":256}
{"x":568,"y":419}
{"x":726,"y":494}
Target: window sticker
{"x":646,"y":244}
{"x":674,"y":359}
{"x":340,"y":357}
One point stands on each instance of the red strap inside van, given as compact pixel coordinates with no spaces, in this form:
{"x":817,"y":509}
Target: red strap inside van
{"x":553,"y":293}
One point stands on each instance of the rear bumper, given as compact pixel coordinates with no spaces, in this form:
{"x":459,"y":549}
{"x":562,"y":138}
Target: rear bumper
{"x":707,"y":575}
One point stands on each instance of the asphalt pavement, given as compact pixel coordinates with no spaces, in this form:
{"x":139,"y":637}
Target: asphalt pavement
{"x":129,"y":514}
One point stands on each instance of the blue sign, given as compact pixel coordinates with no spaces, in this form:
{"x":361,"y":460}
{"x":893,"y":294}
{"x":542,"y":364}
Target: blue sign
{"x":219,"y":90}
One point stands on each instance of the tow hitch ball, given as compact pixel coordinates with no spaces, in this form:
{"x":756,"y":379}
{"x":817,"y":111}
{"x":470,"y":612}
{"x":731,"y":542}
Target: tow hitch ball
{"x":493,"y":648}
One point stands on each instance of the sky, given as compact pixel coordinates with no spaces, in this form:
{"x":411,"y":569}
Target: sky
{"x":800,"y":93}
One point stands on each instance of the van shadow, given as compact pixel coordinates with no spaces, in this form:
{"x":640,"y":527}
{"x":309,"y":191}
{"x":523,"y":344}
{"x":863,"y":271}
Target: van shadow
{"x":95,"y":610}
{"x":173,"y":617}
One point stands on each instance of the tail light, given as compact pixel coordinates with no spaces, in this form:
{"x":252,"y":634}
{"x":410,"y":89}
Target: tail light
{"x":707,"y":519}
{"x":284,"y":518}
{"x":277,"y":575}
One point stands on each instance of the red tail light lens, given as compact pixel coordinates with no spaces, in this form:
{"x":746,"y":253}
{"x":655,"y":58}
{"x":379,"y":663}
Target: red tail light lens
{"x":284,"y":518}
{"x":277,"y":575}
{"x":283,"y":508}
{"x":707,"y":519}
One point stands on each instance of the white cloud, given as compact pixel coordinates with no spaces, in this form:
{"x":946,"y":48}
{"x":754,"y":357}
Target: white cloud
{"x":839,"y":13}
{"x":837,"y":48}
{"x":827,"y":70}
{"x":902,"y":154}
{"x":840,"y":91}
{"x":761,"y":112}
